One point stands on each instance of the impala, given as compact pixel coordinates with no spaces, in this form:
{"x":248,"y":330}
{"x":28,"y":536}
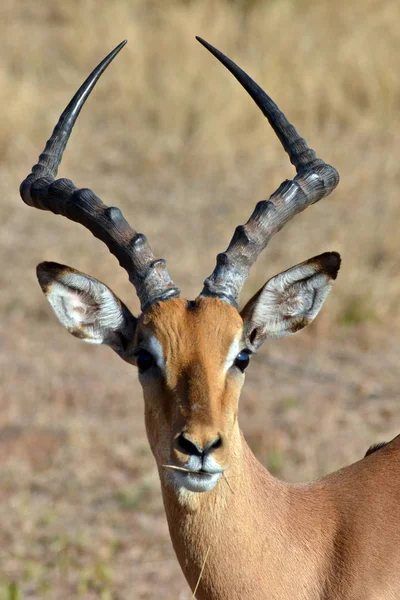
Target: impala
{"x":238,"y":532}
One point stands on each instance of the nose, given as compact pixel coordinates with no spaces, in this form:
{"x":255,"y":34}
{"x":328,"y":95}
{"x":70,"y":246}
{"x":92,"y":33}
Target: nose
{"x":186,"y":445}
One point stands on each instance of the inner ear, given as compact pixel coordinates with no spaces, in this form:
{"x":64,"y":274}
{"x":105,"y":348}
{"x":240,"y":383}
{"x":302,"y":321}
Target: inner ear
{"x":86,"y":307}
{"x":291,"y":300}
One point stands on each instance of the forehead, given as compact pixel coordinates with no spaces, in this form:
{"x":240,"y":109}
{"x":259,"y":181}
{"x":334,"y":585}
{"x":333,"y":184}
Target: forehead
{"x":204,"y":324}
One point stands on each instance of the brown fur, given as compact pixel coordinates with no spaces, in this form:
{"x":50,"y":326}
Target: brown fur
{"x":335,"y":539}
{"x":194,"y":396}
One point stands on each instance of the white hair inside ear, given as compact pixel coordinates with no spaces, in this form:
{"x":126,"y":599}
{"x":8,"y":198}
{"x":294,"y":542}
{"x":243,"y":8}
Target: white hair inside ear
{"x":86,"y":307}
{"x":291,"y":300}
{"x":82,"y":303}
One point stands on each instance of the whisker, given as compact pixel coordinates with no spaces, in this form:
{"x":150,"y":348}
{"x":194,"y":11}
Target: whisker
{"x":178,"y":468}
{"x":227,"y":482}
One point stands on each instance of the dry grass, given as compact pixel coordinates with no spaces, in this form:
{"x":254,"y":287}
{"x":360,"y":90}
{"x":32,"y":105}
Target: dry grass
{"x":172,"y":139}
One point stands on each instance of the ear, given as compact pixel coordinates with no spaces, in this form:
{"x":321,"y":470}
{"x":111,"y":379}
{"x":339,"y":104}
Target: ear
{"x":87,"y":307}
{"x":289,"y":301}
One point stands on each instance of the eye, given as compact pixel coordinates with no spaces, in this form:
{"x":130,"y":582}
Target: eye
{"x":242,"y":360}
{"x":144,"y":360}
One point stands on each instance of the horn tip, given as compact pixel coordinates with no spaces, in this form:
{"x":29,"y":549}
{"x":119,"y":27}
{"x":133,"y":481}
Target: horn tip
{"x":203,"y":42}
{"x":120,"y":46}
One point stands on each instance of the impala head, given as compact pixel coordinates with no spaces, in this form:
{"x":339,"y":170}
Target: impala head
{"x":191,"y":355}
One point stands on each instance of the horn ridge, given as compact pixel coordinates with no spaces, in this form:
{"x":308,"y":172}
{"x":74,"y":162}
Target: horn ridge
{"x":295,"y":146}
{"x":315,"y":179}
{"x":41,"y":190}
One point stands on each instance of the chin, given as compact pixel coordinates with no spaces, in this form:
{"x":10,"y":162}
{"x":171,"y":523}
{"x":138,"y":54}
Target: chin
{"x":195,"y":482}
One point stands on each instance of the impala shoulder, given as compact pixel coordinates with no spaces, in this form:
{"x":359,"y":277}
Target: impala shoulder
{"x":391,"y":447}
{"x":375,"y":447}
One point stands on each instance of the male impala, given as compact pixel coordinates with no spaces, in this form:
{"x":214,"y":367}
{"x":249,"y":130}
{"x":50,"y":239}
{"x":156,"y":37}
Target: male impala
{"x":238,"y":532}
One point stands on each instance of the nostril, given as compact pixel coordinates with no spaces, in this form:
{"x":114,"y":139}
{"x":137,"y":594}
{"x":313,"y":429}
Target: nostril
{"x":214,"y":445}
{"x":186,"y":446}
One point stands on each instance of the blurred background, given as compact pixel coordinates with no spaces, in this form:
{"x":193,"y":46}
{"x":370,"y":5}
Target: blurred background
{"x":170,"y":137}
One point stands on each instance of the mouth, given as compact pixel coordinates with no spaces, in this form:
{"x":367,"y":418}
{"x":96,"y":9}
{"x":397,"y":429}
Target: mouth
{"x":194,"y":481}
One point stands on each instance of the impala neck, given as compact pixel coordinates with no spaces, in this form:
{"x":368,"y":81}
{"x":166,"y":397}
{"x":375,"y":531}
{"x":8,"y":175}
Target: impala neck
{"x":245,"y":515}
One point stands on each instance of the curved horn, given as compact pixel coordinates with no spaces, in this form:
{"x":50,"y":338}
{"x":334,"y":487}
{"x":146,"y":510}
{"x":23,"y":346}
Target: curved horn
{"x":41,"y":190}
{"x":314,"y":180}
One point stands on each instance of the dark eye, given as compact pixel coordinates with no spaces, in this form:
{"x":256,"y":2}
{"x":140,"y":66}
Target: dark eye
{"x":242,"y":360}
{"x":144,"y":360}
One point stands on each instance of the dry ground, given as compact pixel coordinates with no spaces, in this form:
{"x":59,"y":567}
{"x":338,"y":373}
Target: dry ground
{"x":172,"y":139}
